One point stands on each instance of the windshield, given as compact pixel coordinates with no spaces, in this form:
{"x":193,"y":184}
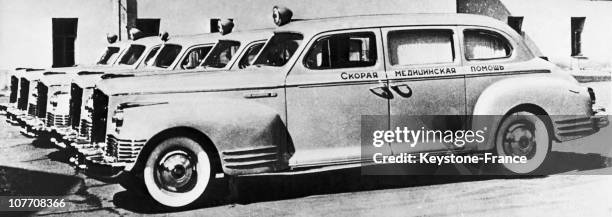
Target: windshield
{"x":279,"y":49}
{"x":132,"y":54}
{"x":109,"y":54}
{"x":167,"y":55}
{"x":221,"y":54}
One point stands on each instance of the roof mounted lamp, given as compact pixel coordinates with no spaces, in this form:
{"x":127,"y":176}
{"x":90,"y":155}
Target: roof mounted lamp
{"x":281,"y":15}
{"x":164,"y":36}
{"x":226,"y":26}
{"x":136,"y":33}
{"x":111,"y":38}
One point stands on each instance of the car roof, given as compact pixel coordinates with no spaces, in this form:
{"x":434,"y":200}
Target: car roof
{"x":315,"y":26}
{"x":195,"y":39}
{"x":148,"y":41}
{"x":249,"y":35}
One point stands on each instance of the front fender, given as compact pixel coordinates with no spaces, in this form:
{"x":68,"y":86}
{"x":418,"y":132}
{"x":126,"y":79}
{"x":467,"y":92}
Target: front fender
{"x":249,"y":137}
{"x":560,"y":100}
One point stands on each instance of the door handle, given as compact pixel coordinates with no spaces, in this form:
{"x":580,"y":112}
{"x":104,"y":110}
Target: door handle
{"x":260,"y":95}
{"x":403,"y":90}
{"x":383,"y":92}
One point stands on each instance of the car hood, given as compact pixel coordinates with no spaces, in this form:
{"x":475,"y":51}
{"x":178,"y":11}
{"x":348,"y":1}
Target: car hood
{"x":90,"y":80}
{"x":256,"y":77}
{"x":64,"y":77}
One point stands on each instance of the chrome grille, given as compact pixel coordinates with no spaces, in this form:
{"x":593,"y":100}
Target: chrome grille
{"x":32,"y":109}
{"x":41,"y":100}
{"x":76,"y":98}
{"x":14,"y":88}
{"x":99,"y":116}
{"x":124,"y":150}
{"x":85,"y":129}
{"x":50,"y":119}
{"x":24,"y":94}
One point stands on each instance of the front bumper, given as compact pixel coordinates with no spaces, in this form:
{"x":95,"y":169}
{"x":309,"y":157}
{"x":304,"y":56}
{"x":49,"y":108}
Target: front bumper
{"x":13,"y":115}
{"x":92,"y":159}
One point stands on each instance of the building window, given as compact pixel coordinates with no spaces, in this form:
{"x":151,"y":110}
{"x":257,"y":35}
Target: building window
{"x":64,"y":32}
{"x":516,"y":23}
{"x":149,"y":27}
{"x":577,"y":26}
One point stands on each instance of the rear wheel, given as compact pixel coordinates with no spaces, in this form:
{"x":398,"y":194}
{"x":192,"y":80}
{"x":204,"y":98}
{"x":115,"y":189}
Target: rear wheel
{"x":178,"y":172}
{"x":523,"y":134}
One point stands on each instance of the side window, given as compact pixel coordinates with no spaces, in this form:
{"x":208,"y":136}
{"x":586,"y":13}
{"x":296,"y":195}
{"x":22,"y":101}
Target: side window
{"x":149,"y":58}
{"x":195,"y":57}
{"x":345,"y":50}
{"x":250,"y":54}
{"x":423,"y":46}
{"x":484,"y":45}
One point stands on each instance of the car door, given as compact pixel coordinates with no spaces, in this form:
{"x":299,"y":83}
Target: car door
{"x":427,"y":81}
{"x":328,"y":93}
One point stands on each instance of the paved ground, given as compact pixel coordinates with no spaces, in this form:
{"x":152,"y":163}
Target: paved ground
{"x":29,"y":167}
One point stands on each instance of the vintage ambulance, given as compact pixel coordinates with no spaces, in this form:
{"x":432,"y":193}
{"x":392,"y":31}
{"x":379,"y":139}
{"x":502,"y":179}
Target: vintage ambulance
{"x":301,"y":104}
{"x":26,"y":114}
{"x":53,"y":92}
{"x":231,"y":51}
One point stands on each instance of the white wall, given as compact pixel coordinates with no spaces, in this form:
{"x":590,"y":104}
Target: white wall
{"x":548,"y":24}
{"x":192,"y":16}
{"x":25,"y":30}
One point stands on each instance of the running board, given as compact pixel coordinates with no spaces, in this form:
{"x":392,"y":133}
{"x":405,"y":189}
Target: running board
{"x":308,"y":170}
{"x":300,"y":170}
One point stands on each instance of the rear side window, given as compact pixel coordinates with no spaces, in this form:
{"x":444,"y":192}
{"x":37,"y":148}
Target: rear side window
{"x":132,"y":54}
{"x":195,"y":57}
{"x":429,"y":46}
{"x":346,"y":50}
{"x":485,"y":45}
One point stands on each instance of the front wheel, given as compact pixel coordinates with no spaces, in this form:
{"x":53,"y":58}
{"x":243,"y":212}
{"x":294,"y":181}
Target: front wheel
{"x":523,"y":134}
{"x":178,"y":172}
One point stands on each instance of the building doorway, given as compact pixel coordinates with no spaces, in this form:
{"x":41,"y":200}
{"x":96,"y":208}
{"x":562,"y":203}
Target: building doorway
{"x":64,"y":32}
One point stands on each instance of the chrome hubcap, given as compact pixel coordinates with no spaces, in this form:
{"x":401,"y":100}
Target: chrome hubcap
{"x":176,"y":171}
{"x":519,"y":140}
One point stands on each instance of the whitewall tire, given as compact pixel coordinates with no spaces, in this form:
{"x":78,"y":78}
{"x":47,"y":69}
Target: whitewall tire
{"x":177,"y":172}
{"x":523,"y":134}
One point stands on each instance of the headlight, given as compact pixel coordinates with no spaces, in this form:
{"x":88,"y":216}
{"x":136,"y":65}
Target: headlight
{"x":117,"y":119}
{"x":53,"y":100}
{"x":89,"y":105}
